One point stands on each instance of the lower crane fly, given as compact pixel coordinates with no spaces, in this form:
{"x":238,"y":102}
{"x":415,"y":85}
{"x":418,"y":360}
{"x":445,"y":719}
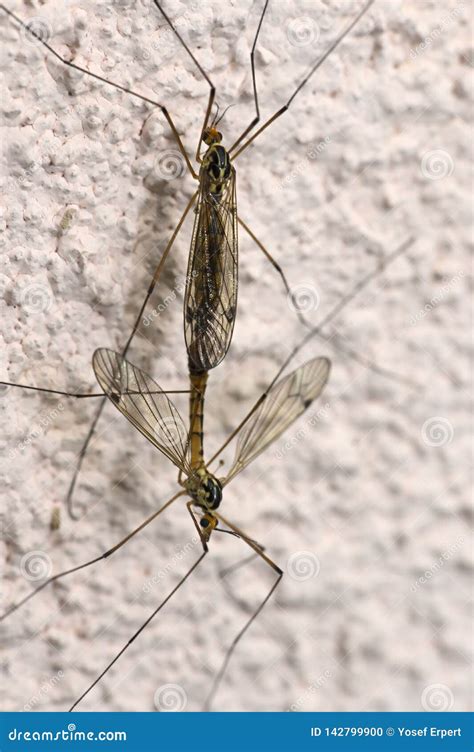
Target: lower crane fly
{"x":142,"y":401}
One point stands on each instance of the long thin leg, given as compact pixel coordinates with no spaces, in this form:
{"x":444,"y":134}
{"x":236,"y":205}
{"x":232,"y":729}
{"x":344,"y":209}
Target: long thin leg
{"x":260,"y":245}
{"x":316,"y":331}
{"x":226,"y":571}
{"x":275,"y":265}
{"x":90,"y":433}
{"x":139,"y":631}
{"x":110,"y":83}
{"x":305,"y":80}
{"x":256,"y":119}
{"x":72,"y":486}
{"x":52,"y":391}
{"x":158,"y":270}
{"x":236,"y":640}
{"x":79,"y":395}
{"x":366,"y":362}
{"x":356,"y":290}
{"x":197,"y":526}
{"x":337,"y":346}
{"x":212,"y":88}
{"x":152,"y":286}
{"x":241,"y":563}
{"x":105,"y":555}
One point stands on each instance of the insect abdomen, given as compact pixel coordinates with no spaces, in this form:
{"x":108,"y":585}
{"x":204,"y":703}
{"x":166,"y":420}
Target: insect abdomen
{"x":196,"y":418}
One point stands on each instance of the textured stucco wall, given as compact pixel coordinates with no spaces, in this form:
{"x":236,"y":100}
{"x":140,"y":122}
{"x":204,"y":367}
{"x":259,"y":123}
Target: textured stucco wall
{"x":365,"y":502}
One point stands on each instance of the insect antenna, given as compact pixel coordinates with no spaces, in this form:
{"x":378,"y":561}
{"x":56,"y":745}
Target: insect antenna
{"x":216,"y":122}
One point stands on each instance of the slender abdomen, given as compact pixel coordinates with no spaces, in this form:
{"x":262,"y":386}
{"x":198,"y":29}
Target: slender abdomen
{"x":196,"y":417}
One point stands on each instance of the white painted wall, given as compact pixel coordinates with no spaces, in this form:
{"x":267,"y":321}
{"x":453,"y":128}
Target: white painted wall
{"x":365,"y":505}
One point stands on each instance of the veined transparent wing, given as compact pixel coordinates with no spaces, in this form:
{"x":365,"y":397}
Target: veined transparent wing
{"x":285,"y":402}
{"x":210,"y":300}
{"x":144,"y":404}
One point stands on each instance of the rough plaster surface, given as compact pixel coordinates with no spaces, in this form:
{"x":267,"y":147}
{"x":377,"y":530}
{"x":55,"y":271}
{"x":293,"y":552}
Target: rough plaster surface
{"x":365,"y":502}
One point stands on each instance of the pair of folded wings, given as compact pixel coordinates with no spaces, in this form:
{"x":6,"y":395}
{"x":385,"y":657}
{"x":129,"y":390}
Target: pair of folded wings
{"x":144,"y":404}
{"x":210,"y":302}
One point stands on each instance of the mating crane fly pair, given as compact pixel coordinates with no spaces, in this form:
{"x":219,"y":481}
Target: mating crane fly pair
{"x":209,"y":315}
{"x":210,"y":300}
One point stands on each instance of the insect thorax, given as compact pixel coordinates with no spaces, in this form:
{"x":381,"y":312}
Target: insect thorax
{"x":217,"y":167}
{"x":204,"y":489}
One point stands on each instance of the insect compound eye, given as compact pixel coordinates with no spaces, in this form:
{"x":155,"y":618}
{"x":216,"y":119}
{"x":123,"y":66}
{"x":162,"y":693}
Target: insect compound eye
{"x":204,"y":522}
{"x":213,"y":493}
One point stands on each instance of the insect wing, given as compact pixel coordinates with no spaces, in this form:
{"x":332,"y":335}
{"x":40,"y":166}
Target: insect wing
{"x":285,"y":402}
{"x":210,"y":302}
{"x":144,"y":404}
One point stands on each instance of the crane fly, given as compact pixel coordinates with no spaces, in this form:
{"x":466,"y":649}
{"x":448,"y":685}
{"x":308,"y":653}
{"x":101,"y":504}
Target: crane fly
{"x":142,"y":401}
{"x":210,"y":299}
